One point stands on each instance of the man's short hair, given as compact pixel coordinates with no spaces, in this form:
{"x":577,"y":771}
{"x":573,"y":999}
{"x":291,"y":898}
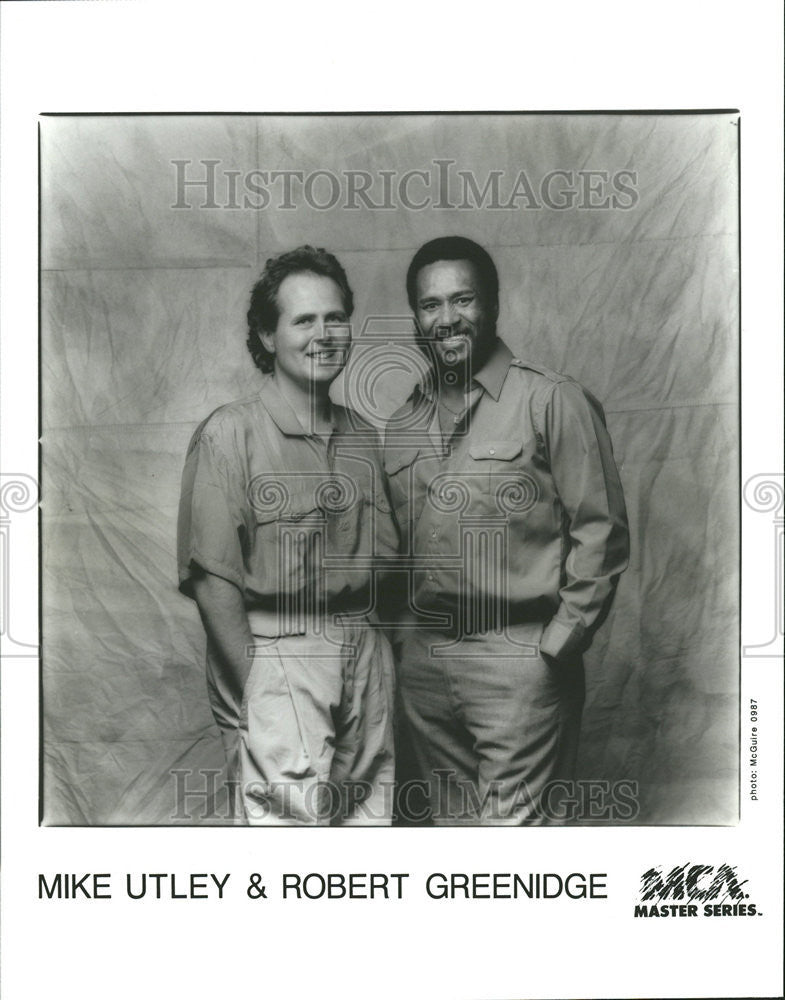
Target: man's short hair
{"x":455,"y":248}
{"x":264,"y":313}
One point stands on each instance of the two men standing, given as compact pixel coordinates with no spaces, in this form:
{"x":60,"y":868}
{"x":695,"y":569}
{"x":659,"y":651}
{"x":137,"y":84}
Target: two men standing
{"x":507,"y":523}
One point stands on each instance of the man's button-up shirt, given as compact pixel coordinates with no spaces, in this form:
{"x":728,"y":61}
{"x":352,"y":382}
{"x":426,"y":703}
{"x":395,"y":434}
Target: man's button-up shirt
{"x":522,"y":507}
{"x":284,"y":514}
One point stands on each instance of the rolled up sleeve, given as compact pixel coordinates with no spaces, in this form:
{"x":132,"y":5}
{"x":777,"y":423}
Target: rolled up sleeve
{"x":211,"y":522}
{"x":588,"y":485}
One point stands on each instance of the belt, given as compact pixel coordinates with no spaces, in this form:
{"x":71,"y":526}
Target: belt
{"x":273,"y":624}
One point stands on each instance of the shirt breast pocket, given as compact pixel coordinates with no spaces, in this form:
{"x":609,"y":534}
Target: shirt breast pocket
{"x":290,"y":538}
{"x":498,"y":471}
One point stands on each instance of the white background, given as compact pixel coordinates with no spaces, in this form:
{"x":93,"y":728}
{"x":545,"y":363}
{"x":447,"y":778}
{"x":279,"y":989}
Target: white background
{"x":126,"y":56}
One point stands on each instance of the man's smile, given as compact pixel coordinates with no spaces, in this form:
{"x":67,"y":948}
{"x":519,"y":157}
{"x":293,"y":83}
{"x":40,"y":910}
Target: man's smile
{"x":331,"y":353}
{"x":448,"y":333}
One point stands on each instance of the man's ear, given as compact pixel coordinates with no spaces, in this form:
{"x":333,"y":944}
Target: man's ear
{"x":268,"y":340}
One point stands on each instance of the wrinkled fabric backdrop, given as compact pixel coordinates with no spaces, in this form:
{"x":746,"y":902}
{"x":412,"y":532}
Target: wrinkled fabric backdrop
{"x":143,"y":334}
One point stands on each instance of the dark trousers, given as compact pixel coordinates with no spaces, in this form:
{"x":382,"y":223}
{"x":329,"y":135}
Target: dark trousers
{"x":489,"y":724}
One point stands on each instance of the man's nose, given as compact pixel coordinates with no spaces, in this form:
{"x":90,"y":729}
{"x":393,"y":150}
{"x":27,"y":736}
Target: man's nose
{"x":447,"y":315}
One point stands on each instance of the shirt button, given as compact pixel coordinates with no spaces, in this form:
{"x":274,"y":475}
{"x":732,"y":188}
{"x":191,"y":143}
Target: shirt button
{"x":430,"y":577}
{"x":433,"y":533}
{"x":491,"y":451}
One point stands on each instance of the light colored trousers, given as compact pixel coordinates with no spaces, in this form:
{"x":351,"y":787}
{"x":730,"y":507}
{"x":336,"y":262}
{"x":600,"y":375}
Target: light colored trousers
{"x":314,"y":742}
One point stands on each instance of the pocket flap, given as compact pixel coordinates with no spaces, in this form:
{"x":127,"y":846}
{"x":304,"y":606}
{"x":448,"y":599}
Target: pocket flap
{"x":501,"y":451}
{"x":292,"y":506}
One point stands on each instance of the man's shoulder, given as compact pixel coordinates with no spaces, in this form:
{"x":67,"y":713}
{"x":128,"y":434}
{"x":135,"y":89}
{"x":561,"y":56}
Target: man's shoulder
{"x":531,"y":384}
{"x":549,"y":388}
{"x":225,"y":421}
{"x":538,"y":372}
{"x":543,"y":386}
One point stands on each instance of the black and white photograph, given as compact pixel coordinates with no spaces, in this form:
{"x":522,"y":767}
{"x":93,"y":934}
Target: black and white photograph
{"x":390,"y":469}
{"x":391,"y":500}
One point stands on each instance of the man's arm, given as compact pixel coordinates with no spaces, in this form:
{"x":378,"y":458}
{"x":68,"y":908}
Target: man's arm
{"x":209,"y":550}
{"x":225,"y":620}
{"x":587,"y":481}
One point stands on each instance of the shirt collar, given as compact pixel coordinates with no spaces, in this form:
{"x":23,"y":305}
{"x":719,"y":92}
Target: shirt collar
{"x":491,"y":376}
{"x":493,"y":373}
{"x":283,"y":415}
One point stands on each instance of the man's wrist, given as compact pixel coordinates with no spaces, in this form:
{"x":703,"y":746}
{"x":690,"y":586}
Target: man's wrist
{"x":559,"y":640}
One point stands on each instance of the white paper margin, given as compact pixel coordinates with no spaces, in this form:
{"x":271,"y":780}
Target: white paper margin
{"x":98,"y":56}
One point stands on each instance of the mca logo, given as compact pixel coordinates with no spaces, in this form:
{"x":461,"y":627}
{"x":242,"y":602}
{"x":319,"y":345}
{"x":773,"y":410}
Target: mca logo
{"x":718,"y":889}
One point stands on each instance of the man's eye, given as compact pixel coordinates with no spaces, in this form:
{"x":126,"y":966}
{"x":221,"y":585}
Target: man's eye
{"x":465,"y":300}
{"x":428,"y":306}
